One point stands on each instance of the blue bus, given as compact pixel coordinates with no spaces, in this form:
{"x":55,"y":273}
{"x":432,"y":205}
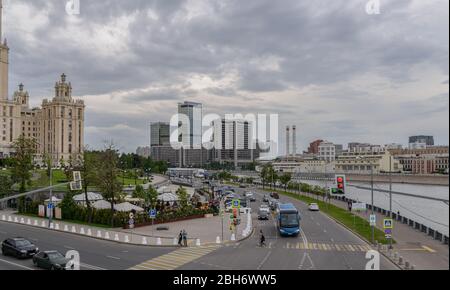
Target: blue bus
{"x":288,"y":220}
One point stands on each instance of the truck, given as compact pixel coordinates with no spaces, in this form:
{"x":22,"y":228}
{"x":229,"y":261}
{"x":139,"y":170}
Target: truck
{"x":288,"y":220}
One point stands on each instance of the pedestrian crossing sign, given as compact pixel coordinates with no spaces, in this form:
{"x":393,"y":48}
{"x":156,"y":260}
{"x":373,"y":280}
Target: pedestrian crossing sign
{"x":388,"y":224}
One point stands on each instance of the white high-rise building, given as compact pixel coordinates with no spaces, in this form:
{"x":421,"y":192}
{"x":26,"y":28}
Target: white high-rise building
{"x":327,"y":151}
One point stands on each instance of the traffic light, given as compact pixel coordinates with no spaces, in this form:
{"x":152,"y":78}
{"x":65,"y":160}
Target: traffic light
{"x":340,"y":184}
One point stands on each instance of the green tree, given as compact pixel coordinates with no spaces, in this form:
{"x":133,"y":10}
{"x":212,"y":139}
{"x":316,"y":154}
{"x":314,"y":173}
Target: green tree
{"x":5,"y":185}
{"x":285,"y":179}
{"x":183,"y":197}
{"x":139,"y":192}
{"x":88,"y":166}
{"x":108,"y":173}
{"x":268,"y":174}
{"x":24,"y":148}
{"x":151,"y":196}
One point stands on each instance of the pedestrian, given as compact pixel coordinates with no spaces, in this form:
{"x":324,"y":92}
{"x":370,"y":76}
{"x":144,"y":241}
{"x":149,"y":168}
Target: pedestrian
{"x":185,"y":238}
{"x":180,"y":238}
{"x":262,"y":240}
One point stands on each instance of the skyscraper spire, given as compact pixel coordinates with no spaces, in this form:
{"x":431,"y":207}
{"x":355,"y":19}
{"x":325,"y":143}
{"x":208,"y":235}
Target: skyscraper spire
{"x":1,"y":20}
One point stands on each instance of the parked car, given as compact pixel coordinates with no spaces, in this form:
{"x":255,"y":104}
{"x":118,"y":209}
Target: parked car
{"x":265,"y":198}
{"x":252,"y":199}
{"x":19,"y":247}
{"x":313,"y":207}
{"x":50,"y":260}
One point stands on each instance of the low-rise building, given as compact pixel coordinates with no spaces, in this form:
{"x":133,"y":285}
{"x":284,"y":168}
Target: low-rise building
{"x":365,"y":163}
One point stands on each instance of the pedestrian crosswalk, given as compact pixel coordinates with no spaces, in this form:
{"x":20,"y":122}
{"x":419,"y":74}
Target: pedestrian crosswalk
{"x":176,"y":259}
{"x":328,"y":247}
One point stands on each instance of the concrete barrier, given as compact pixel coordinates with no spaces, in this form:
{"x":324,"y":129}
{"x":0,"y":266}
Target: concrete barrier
{"x":89,"y":232}
{"x":218,"y":240}
{"x":107,"y":236}
{"x":57,"y":227}
{"x":127,"y":239}
{"x":158,"y":242}
{"x":144,"y":241}
{"x":99,"y":234}
{"x":116,"y":237}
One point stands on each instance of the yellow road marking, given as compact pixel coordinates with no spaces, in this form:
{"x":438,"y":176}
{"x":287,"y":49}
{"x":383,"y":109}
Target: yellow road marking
{"x":429,"y":249}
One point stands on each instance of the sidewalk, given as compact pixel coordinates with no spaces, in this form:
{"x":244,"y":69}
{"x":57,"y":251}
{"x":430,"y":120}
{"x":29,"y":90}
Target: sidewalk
{"x":200,"y":231}
{"x":413,"y":246}
{"x":206,"y":229}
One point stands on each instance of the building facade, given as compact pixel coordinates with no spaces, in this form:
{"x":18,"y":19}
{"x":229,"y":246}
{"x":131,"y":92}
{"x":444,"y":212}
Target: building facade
{"x":428,"y":140}
{"x":57,"y":127}
{"x":314,"y":147}
{"x":327,"y":151}
{"x":367,"y":162}
{"x":429,"y":160}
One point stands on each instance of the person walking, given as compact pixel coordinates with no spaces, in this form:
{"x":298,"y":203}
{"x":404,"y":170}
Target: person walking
{"x":180,"y":238}
{"x":262,"y":240}
{"x":185,"y":238}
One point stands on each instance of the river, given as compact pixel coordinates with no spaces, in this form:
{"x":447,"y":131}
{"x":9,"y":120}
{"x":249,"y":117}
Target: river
{"x":434,"y":214}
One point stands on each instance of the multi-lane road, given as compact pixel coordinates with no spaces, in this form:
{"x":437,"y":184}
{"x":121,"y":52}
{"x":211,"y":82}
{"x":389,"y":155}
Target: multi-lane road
{"x":323,"y":244}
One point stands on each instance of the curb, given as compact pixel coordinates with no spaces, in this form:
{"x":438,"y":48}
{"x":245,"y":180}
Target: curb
{"x":124,"y":233}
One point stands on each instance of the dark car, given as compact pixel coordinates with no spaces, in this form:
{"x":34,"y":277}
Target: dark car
{"x":265,"y":198}
{"x":19,"y":248}
{"x":50,"y":260}
{"x":274,"y":195}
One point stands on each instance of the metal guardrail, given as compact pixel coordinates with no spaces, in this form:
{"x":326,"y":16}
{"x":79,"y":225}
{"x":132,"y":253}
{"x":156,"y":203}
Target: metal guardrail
{"x":407,"y":221}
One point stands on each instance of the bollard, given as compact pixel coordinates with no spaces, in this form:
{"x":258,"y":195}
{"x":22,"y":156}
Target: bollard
{"x":407,"y":265}
{"x":396,"y":256}
{"x":99,"y":234}
{"x":52,"y":226}
{"x":3,"y":217}
{"x":218,"y":240}
{"x":89,"y":232}
{"x":175,"y":241}
{"x":158,"y":241}
{"x":9,"y":218}
{"x":116,"y":237}
{"x":28,"y":222}
{"x":197,"y":243}
{"x":74,"y":230}
{"x":22,"y":221}
{"x":66,"y":228}
{"x":57,"y":227}
{"x":36,"y":223}
{"x":43,"y":224}
{"x":82,"y":231}
{"x":107,"y":236}
{"x":400,"y":260}
{"x":233,"y":237}
{"x":144,"y":240}
{"x":127,"y":239}
{"x":16,"y":220}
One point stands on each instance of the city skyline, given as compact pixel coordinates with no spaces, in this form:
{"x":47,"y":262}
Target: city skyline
{"x":138,"y":76}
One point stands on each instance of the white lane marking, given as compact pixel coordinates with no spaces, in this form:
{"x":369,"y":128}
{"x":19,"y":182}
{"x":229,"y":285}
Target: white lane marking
{"x":264,"y":260}
{"x":91,"y":266}
{"x":304,"y":238}
{"x":306,"y":256}
{"x":112,"y":257}
{"x":17,"y":265}
{"x":318,"y":224}
{"x":324,"y":231}
{"x":70,"y":248}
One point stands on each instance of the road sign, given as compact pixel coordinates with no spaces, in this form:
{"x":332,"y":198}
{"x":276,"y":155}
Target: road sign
{"x":131,"y":215}
{"x":388,"y":236}
{"x":50,"y":205}
{"x":373,"y":220}
{"x":76,"y":176}
{"x":236,"y":203}
{"x":388,"y":231}
{"x":152,"y":213}
{"x":388,"y":224}
{"x":359,"y":206}
{"x":76,"y":185}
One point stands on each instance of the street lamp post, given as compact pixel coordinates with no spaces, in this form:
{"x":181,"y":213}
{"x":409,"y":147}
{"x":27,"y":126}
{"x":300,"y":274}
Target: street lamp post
{"x":390,"y":195}
{"x":50,"y":216}
{"x":371,"y":182}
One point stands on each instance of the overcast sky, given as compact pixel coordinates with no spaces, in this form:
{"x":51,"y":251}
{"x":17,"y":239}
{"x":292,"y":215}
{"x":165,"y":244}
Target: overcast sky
{"x":328,"y":67}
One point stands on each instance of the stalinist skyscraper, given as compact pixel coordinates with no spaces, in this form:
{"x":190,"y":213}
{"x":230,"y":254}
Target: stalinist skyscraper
{"x":4,"y":59}
{"x":57,"y":127}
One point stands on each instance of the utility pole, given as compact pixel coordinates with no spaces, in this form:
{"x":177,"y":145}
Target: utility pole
{"x":390,"y":195}
{"x":371,"y":181}
{"x":50,"y":216}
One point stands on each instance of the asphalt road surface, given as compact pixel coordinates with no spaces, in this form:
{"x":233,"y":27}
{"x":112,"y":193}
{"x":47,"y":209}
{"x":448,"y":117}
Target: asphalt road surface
{"x":322,"y":245}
